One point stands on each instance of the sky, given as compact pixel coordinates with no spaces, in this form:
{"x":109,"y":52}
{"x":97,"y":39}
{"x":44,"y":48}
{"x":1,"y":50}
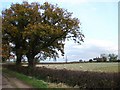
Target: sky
{"x":99,"y":24}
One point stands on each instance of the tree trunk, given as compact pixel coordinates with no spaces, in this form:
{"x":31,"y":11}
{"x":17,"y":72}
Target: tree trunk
{"x":18,"y":61}
{"x":31,"y":61}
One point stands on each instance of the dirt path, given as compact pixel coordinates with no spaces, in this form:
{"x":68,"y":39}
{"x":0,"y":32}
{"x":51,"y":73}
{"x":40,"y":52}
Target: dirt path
{"x":12,"y":82}
{"x":0,"y":80}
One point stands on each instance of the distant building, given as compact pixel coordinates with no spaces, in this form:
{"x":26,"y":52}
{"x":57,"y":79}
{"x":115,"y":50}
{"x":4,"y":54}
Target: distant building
{"x":100,"y":59}
{"x":104,"y":56}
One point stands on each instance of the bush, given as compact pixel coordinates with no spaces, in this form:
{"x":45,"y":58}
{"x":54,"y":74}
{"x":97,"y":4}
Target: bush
{"x":83,"y":79}
{"x":90,"y":60}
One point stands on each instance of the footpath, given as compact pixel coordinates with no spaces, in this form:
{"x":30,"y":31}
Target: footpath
{"x":12,"y":82}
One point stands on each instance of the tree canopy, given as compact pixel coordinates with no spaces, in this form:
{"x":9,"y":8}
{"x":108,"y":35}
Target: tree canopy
{"x":39,"y":29}
{"x":113,"y":57}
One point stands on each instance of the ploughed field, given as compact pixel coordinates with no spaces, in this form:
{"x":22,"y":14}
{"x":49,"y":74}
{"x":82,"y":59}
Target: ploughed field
{"x":99,"y":67}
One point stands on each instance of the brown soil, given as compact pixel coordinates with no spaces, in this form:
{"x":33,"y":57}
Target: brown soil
{"x":12,"y":82}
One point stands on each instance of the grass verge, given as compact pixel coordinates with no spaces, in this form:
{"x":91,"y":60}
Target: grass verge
{"x":28,"y":80}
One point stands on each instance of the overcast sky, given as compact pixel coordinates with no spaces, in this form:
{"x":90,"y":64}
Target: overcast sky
{"x":99,"y":24}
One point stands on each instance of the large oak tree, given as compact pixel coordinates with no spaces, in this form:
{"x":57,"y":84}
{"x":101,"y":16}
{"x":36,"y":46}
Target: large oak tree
{"x":36,"y":29}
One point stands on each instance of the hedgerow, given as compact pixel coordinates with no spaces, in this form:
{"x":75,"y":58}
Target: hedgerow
{"x":82,"y":79}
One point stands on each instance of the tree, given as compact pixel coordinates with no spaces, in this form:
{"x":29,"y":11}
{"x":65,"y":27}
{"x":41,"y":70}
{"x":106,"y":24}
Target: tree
{"x":113,"y":57}
{"x":0,"y":37}
{"x":40,"y":30}
{"x":80,"y":60}
{"x":90,"y":60}
{"x":98,"y":59}
{"x":104,"y":57}
{"x":5,"y":50}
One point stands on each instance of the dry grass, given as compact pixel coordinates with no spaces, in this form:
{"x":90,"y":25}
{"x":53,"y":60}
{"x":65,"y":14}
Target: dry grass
{"x":59,"y":85}
{"x":100,"y":67}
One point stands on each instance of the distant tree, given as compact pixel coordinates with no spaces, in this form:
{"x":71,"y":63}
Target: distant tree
{"x":43,"y":29}
{"x":90,"y":60}
{"x":113,"y":57}
{"x":104,"y":57}
{"x":94,"y":59}
{"x":80,"y":60}
{"x":118,"y":60}
{"x":97,"y":59}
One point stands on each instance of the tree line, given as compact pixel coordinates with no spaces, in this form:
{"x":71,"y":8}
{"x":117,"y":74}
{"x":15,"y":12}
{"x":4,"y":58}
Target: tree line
{"x":110,"y":58}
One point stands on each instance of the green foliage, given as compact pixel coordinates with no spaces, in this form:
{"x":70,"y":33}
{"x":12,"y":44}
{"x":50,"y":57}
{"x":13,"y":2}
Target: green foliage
{"x":5,"y":51}
{"x":113,"y":57}
{"x":35,"y":28}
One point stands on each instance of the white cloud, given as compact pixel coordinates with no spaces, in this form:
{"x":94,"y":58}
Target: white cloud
{"x":51,"y":1}
{"x":100,"y":43}
{"x":107,"y":45}
{"x":73,"y":1}
{"x":94,"y":9}
{"x":8,"y":0}
{"x":89,"y":49}
{"x":82,"y":1}
{"x":103,"y":0}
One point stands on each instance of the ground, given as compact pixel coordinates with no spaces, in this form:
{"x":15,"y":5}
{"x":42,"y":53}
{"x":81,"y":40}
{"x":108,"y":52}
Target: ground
{"x":8,"y":81}
{"x":99,"y":67}
{"x":12,"y":82}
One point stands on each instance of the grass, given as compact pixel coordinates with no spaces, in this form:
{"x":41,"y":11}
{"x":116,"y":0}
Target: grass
{"x":34,"y":82}
{"x":28,"y":80}
{"x":100,"y":67}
